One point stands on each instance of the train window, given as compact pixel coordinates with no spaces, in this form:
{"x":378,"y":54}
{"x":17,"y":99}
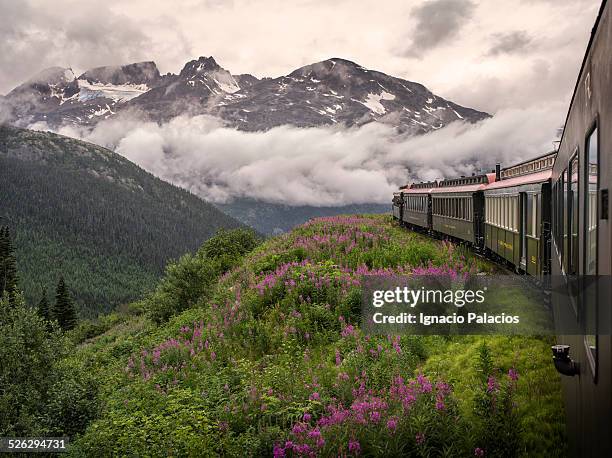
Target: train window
{"x":505,"y":212}
{"x":529,"y":214}
{"x":515,"y":205}
{"x":564,"y":226}
{"x":494,"y":210}
{"x":591,"y":218}
{"x":554,"y":213}
{"x":555,"y":228}
{"x":534,"y":215}
{"x":515,"y":213}
{"x":573,"y":216}
{"x":591,"y":177}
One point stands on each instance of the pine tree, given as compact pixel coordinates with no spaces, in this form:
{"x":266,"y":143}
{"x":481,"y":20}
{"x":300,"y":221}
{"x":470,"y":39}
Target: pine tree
{"x":8,"y":266}
{"x":64,"y":311}
{"x":43,"y":306}
{"x":3,"y":254}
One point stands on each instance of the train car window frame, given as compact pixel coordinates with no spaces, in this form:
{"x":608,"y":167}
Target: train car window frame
{"x":591,"y":341}
{"x":565,"y":223}
{"x":572,"y":219}
{"x":533,"y":216}
{"x":515,"y":210}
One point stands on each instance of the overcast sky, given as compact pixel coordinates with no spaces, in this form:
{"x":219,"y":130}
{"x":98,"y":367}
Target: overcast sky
{"x":486,"y":54}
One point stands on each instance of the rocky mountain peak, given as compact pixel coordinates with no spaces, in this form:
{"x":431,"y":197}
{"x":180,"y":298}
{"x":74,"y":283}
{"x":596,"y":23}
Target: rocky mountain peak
{"x":137,"y":73}
{"x":199,"y":66}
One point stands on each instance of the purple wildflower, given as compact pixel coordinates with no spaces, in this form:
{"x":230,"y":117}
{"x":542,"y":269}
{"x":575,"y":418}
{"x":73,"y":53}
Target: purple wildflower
{"x":354,"y":446}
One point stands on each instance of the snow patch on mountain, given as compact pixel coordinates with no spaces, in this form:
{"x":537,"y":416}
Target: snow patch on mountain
{"x":372,"y":101}
{"x":117,"y":93}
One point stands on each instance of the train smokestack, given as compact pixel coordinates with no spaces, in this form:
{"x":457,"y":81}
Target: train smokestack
{"x":497,"y":171}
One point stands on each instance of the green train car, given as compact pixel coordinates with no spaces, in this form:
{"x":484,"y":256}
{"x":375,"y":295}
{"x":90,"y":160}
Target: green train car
{"x":417,"y":205}
{"x":457,"y":208}
{"x":517,"y":217}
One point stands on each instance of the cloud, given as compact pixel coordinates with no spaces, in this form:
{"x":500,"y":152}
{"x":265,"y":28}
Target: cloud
{"x":437,"y":22}
{"x":318,"y":166}
{"x":515,"y":42}
{"x":6,"y":112}
{"x":35,"y":35}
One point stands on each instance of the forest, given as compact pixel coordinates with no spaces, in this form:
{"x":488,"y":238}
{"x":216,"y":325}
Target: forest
{"x":85,"y":212}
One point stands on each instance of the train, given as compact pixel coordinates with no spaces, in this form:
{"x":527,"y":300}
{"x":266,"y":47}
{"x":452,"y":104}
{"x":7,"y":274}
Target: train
{"x":548,"y":217}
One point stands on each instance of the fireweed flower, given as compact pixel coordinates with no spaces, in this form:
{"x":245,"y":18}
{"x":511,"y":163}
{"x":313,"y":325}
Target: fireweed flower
{"x":278,"y":451}
{"x":479,"y":452}
{"x":513,"y":374}
{"x":492,"y":384}
{"x":354,"y":446}
{"x":419,"y":438}
{"x":338,"y":357}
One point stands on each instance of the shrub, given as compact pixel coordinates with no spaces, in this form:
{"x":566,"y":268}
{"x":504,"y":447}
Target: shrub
{"x":28,"y":353}
{"x":192,"y":277}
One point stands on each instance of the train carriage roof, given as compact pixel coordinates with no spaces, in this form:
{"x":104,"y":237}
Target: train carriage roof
{"x":419,"y":191}
{"x":456,"y":189}
{"x":538,"y":177}
{"x":464,"y":184}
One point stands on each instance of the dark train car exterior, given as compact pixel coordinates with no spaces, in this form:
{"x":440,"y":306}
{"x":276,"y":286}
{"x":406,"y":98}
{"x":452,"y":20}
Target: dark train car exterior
{"x":517,"y":215}
{"x":582,"y":236}
{"x":398,"y":205}
{"x":458,"y":208}
{"x":417,"y":205}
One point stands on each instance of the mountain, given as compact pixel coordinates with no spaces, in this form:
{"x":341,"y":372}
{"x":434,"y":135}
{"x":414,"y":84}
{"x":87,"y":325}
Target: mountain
{"x":334,"y":91}
{"x":338,"y":91}
{"x":200,"y":85}
{"x":86,"y":212}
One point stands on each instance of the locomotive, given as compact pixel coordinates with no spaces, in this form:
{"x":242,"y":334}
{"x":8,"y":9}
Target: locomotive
{"x":548,"y":218}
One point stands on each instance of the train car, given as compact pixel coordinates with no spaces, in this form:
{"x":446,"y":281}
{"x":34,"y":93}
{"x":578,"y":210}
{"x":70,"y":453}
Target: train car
{"x":458,"y":208}
{"x":397,"y":205}
{"x":417,"y":205}
{"x":581,"y":240}
{"x":517,"y":215}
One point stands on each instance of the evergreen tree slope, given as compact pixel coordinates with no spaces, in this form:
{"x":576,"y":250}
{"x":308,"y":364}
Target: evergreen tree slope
{"x":83,"y":211}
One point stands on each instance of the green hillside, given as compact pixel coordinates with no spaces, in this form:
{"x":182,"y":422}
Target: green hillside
{"x":84,"y":211}
{"x":269,"y":359}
